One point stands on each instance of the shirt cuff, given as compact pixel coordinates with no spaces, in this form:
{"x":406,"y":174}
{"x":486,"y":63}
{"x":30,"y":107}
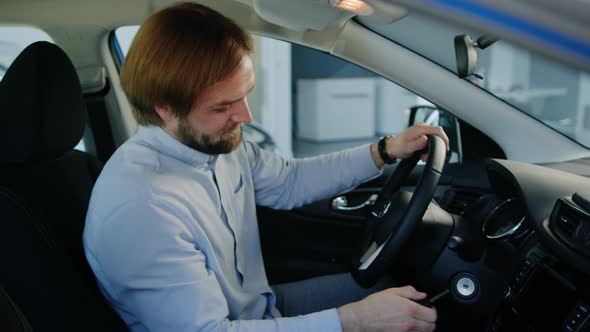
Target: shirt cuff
{"x":327,"y":320}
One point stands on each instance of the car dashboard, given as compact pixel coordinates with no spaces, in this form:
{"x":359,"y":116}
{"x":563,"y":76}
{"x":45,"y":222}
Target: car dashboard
{"x":534,"y":266}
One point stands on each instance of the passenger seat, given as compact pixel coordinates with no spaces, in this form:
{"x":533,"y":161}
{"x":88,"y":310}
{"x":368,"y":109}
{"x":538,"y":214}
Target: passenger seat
{"x":45,"y":187}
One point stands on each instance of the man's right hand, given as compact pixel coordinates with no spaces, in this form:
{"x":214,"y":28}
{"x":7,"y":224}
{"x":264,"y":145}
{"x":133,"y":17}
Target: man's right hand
{"x":393,"y":309}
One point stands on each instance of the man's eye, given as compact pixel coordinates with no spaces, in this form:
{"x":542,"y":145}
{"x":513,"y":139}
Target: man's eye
{"x":221,"y":109}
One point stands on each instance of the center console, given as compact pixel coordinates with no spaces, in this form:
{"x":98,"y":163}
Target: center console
{"x":543,"y":296}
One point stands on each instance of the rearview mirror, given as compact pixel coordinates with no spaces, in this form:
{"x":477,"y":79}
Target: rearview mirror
{"x":466,"y":53}
{"x":435,"y":116}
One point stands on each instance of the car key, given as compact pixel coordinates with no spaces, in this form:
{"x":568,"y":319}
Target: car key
{"x":429,"y":302}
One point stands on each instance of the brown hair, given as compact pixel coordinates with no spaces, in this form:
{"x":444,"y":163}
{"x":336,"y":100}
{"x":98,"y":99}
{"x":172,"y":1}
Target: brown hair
{"x":178,"y":53}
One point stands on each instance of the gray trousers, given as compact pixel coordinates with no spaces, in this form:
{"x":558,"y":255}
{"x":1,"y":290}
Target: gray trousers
{"x":321,"y":293}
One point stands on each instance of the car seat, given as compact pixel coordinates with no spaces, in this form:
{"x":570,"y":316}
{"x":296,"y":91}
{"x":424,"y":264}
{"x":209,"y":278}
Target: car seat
{"x":45,"y":187}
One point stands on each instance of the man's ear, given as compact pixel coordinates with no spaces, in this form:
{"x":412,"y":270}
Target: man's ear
{"x":165,"y":112}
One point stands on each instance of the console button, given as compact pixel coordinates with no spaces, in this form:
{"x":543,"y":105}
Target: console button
{"x":577,"y":318}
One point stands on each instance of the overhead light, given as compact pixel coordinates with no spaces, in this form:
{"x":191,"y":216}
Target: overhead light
{"x":356,"y":6}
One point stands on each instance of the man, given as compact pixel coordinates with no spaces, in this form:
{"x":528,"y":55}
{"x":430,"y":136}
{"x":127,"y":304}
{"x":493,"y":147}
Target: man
{"x":171,"y":231}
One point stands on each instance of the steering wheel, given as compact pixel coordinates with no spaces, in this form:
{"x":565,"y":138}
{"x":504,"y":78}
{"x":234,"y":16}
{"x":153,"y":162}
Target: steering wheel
{"x":396,"y":214}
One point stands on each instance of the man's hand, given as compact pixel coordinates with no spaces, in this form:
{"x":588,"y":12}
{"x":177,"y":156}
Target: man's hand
{"x":408,"y":141}
{"x":413,"y":139}
{"x":393,"y":309}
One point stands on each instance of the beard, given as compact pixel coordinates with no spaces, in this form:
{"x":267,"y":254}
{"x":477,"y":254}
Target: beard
{"x":210,"y":144}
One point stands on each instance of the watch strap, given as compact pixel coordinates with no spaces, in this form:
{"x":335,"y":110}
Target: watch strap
{"x":383,"y":152}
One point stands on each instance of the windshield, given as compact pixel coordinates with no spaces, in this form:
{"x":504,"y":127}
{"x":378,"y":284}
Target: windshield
{"x":553,"y":93}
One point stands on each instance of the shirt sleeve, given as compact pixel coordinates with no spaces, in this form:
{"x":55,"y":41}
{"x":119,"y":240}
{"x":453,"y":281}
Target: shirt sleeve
{"x":282,"y":183}
{"x":147,"y":261}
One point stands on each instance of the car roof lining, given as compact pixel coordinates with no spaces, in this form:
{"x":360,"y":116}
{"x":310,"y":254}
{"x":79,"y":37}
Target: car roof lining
{"x":79,"y":26}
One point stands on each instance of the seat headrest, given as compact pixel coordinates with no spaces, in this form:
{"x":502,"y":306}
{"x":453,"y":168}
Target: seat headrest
{"x":42,"y":111}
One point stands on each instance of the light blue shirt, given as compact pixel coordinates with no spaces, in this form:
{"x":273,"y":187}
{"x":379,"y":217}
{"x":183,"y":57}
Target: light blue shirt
{"x":173,"y":250}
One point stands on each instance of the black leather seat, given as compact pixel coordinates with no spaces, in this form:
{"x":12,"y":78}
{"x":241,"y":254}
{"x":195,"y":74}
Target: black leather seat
{"x":45,"y":187}
{"x":11,"y":317}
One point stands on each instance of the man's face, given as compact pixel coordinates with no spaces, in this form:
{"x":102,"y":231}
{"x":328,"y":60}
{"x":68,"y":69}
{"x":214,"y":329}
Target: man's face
{"x":214,"y":124}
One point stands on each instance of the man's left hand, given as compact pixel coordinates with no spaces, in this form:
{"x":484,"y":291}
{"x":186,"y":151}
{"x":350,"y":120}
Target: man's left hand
{"x":413,"y":139}
{"x":406,"y":143}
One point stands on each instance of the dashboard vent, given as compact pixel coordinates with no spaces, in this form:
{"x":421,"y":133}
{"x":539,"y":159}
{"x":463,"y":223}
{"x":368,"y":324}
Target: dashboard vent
{"x":571,"y":224}
{"x":457,"y":201}
{"x":567,"y":222}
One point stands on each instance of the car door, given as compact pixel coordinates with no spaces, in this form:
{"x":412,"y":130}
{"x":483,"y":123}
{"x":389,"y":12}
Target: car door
{"x":316,"y":239}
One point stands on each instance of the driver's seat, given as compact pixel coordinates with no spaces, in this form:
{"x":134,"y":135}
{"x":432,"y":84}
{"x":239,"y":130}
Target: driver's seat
{"x":45,"y":188}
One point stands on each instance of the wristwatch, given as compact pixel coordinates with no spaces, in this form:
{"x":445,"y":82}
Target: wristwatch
{"x":382,"y":152}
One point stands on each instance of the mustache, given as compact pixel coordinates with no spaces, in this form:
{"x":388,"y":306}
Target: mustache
{"x":231,"y":130}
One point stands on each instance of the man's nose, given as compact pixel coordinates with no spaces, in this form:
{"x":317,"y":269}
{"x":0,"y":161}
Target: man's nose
{"x":242,"y":112}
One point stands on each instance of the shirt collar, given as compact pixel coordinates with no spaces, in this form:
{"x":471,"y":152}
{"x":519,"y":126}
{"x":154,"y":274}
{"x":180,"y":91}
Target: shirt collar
{"x":159,"y":139}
